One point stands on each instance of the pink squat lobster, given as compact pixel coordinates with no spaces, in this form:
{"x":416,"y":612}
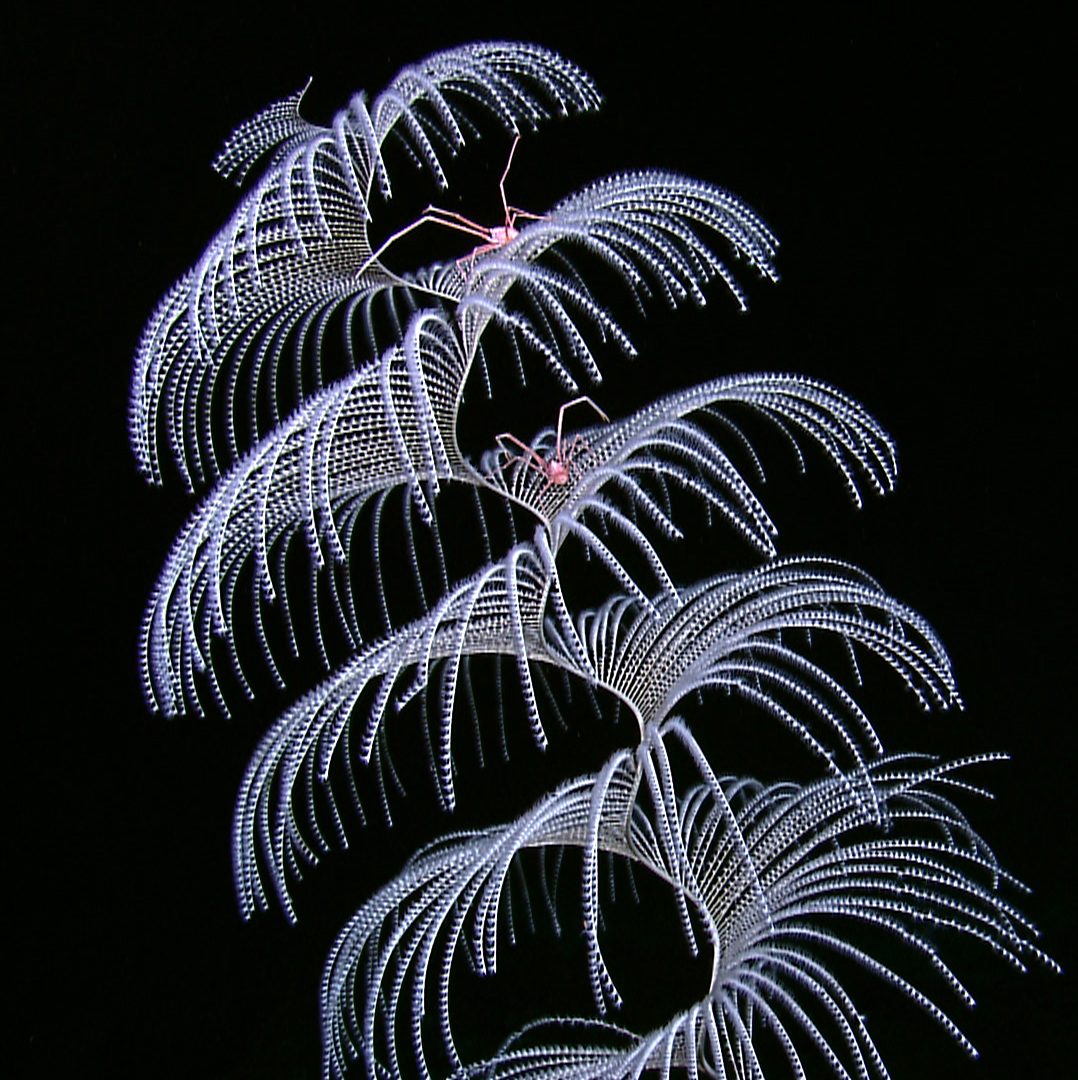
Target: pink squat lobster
{"x":555,"y":468}
{"x":493,"y":237}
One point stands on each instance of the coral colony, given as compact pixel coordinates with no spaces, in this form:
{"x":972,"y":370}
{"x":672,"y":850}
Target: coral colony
{"x":336,"y":460}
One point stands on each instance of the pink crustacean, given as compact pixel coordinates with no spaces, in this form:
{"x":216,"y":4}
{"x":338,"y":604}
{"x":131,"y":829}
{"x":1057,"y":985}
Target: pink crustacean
{"x":555,"y":468}
{"x":492,"y":237}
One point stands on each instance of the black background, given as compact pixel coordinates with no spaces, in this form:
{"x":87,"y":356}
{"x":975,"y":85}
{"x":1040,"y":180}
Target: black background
{"x":917,"y":175}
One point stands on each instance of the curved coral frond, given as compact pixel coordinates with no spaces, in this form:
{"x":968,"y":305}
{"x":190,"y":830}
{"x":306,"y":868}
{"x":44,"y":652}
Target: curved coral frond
{"x":734,"y":633}
{"x":289,"y":256}
{"x":498,"y":612}
{"x":398,"y":948}
{"x":395,"y":416}
{"x":776,"y":873}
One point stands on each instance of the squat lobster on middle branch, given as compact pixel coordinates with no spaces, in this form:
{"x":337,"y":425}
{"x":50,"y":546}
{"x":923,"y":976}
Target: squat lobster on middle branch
{"x":555,"y":468}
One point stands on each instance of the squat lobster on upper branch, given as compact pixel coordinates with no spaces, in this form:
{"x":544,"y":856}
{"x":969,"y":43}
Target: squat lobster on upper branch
{"x":555,"y":468}
{"x":493,"y":237}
